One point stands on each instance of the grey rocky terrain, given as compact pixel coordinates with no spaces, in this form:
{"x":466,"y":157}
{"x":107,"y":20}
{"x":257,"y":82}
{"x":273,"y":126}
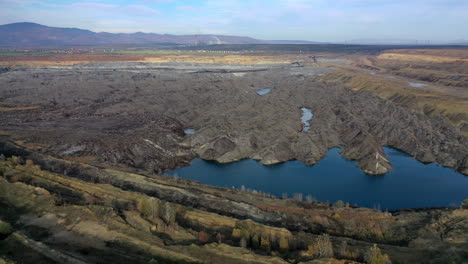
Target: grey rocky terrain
{"x":133,"y":115}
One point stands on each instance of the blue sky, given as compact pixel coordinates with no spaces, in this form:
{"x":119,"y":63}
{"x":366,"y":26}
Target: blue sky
{"x":316,"y":20}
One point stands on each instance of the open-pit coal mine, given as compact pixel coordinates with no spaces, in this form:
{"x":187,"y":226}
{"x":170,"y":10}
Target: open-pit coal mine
{"x":98,"y":162}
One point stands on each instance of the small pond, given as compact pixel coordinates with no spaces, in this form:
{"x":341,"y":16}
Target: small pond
{"x":263,"y":91}
{"x":417,"y":85}
{"x":305,"y":118}
{"x":189,"y":131}
{"x":410,"y":184}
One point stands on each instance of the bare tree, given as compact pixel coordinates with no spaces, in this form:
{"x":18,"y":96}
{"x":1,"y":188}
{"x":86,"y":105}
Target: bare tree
{"x":324,"y":246}
{"x":375,"y":256}
{"x":298,"y":196}
{"x":339,"y":204}
{"x":154,"y":207}
{"x":243,"y":242}
{"x":343,"y":248}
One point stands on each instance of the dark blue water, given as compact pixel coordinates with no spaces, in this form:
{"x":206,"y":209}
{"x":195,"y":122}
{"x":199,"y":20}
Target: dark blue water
{"x":410,"y":184}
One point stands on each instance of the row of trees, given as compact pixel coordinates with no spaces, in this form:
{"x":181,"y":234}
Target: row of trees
{"x":155,"y":208}
{"x":263,"y":241}
{"x":253,"y":191}
{"x":296,"y":196}
{"x":321,"y":248}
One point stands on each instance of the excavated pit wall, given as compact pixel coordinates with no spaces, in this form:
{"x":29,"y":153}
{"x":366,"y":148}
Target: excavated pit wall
{"x":134,"y":115}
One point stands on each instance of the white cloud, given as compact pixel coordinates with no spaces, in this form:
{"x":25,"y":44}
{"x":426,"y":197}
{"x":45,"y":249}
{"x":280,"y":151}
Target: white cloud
{"x":126,"y":10}
{"x":321,"y":20}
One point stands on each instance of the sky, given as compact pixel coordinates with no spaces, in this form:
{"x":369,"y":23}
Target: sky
{"x":314,"y":20}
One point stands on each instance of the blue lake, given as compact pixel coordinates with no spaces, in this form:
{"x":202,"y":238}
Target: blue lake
{"x":410,"y":184}
{"x":263,"y":91}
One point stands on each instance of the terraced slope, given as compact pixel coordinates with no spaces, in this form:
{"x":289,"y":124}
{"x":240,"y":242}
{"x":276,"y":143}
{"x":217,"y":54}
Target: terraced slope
{"x":134,"y":115}
{"x":441,"y":74}
{"x":61,"y":211}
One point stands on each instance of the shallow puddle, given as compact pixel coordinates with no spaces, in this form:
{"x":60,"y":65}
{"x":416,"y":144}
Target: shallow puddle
{"x":417,"y":85}
{"x":305,"y":118}
{"x":189,"y":131}
{"x":263,"y":91}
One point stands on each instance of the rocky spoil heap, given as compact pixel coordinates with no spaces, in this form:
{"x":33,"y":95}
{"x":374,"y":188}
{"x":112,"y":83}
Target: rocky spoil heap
{"x":137,"y":118}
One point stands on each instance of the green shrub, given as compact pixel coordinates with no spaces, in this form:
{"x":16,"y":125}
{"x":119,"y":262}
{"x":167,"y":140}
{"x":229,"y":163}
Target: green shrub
{"x":149,"y":207}
{"x":236,"y":234}
{"x":265,"y":243}
{"x":284,"y":244}
{"x":5,"y":228}
{"x":15,"y":160}
{"x":244,"y":233}
{"x":143,"y":207}
{"x":255,"y":242}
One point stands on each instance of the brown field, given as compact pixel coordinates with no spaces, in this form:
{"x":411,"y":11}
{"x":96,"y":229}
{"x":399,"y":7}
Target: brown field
{"x":71,"y":59}
{"x":421,"y":57}
{"x":444,"y":72}
{"x":454,"y":53}
{"x":228,"y":59}
{"x":431,"y":100}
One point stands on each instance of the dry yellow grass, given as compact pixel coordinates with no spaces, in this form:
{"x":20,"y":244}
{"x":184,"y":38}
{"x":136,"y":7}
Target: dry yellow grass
{"x":22,"y":108}
{"x":28,"y":145}
{"x":432,"y":100}
{"x":458,"y":52}
{"x":82,"y":159}
{"x":64,"y":60}
{"x":210,"y":219}
{"x":228,"y":59}
{"x":4,"y":133}
{"x":443,"y":70}
{"x":424,"y":58}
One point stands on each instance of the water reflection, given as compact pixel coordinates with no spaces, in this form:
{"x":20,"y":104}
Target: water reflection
{"x":410,"y":184}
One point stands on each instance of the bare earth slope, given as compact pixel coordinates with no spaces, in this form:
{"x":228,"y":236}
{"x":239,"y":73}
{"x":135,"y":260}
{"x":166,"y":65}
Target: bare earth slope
{"x":439,"y":78}
{"x":82,"y":143}
{"x":135,"y":113}
{"x":231,"y":120}
{"x":57,"y":211}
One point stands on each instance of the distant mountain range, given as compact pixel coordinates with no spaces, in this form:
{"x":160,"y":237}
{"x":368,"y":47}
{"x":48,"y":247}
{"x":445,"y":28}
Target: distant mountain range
{"x":27,"y":34}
